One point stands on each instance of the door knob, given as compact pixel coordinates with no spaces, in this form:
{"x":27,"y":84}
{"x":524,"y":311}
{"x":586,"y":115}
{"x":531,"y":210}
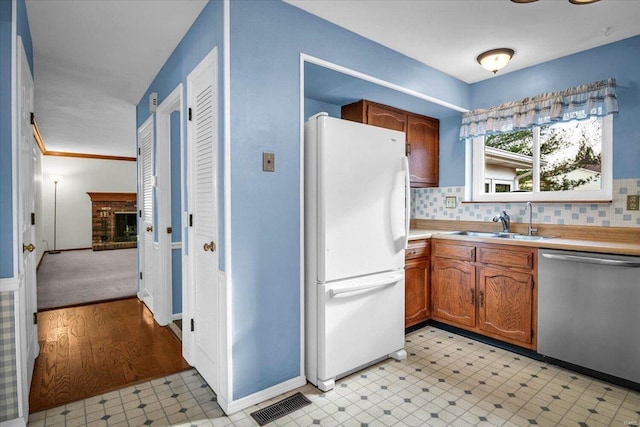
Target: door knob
{"x":28,"y":247}
{"x":149,"y":229}
{"x":209,"y":247}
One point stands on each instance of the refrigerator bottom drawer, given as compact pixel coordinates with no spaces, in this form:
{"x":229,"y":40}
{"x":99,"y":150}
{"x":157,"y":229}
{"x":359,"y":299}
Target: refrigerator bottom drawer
{"x":357,"y":327}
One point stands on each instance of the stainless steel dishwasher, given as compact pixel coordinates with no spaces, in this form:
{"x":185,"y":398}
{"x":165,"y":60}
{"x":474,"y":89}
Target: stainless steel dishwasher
{"x":589,"y":311}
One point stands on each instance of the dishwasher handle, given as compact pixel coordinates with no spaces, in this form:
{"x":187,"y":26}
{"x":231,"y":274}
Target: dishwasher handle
{"x":593,"y":260}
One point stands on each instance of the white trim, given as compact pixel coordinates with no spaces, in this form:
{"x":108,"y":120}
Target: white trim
{"x":176,"y":316}
{"x":11,"y":284}
{"x":16,"y":422}
{"x":163,"y":300}
{"x":226,"y":363}
{"x":176,"y":245}
{"x":302,"y":224}
{"x":384,"y":83}
{"x":17,"y":236}
{"x":476,"y":186}
{"x":262,"y":395}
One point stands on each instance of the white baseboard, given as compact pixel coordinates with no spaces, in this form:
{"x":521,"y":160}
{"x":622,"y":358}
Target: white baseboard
{"x":16,"y":422}
{"x":176,"y":316}
{"x":261,"y":396}
{"x":11,"y":284}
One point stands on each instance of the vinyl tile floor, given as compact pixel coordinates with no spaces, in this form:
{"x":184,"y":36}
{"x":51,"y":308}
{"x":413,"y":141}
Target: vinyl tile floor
{"x":446,"y":380}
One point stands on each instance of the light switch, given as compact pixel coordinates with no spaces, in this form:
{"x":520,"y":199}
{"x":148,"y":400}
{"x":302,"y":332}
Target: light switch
{"x":268,"y":162}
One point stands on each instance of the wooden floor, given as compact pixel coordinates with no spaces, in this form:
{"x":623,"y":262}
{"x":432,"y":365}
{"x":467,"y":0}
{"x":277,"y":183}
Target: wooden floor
{"x":93,"y":349}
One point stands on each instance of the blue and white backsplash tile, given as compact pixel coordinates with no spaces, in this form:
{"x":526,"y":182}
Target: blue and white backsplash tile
{"x":429,"y":203}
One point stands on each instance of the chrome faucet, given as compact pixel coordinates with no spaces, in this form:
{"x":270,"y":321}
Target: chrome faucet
{"x":506,"y":221}
{"x":530,"y":230}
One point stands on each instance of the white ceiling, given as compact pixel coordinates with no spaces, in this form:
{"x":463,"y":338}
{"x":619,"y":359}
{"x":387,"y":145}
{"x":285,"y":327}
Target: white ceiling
{"x":448,"y":35}
{"x":95,"y":59}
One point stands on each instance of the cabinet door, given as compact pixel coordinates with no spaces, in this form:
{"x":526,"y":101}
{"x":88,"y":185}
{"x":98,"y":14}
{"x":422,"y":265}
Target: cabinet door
{"x":422,"y":149}
{"x":453,"y":292}
{"x":505,"y":303}
{"x":416,"y":291}
{"x":384,"y":118}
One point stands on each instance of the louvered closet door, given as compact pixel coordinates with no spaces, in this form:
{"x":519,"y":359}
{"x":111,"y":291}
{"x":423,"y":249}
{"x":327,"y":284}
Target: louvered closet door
{"x":145,"y":142}
{"x":203,"y":147}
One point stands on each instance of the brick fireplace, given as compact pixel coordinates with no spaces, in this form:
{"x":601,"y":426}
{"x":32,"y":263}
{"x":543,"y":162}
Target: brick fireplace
{"x":113,"y":221}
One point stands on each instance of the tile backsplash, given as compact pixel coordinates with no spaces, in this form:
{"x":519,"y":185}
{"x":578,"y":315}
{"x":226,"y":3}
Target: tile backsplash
{"x":429,"y":203}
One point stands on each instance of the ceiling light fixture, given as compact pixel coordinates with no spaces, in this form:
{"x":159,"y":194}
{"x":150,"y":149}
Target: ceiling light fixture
{"x":570,"y":1}
{"x":495,"y":59}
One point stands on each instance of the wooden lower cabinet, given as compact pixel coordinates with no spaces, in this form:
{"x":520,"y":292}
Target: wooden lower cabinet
{"x":416,"y":283}
{"x":505,"y":303}
{"x":453,"y":292}
{"x":493,"y":294}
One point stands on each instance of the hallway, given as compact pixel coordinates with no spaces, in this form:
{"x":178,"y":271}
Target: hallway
{"x":93,"y":349}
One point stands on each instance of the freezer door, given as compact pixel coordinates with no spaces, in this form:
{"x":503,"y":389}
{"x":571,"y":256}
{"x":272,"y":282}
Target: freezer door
{"x":359,"y":321}
{"x":361,"y":199}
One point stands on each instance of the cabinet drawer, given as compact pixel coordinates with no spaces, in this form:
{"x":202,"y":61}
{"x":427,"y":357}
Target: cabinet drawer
{"x":417,"y":249}
{"x":455,"y":251}
{"x":507,"y":257}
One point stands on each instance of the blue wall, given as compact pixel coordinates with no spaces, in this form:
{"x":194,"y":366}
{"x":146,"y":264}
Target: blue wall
{"x":620,"y":60}
{"x":265,"y":116}
{"x":24,"y":31}
{"x":6,"y":221}
{"x":313,"y":106}
{"x":205,"y":34}
{"x":176,"y":214}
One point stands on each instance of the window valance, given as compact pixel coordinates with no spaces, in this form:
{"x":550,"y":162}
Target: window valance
{"x":581,"y":102}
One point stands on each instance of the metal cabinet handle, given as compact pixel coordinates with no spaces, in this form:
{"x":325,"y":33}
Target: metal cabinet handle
{"x":481,"y":298}
{"x":150,"y":229}
{"x":28,"y":247}
{"x":472,"y":296}
{"x":209,"y":247}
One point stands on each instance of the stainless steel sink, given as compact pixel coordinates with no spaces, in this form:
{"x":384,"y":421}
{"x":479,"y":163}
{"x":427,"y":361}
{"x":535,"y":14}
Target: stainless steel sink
{"x":499,"y":235}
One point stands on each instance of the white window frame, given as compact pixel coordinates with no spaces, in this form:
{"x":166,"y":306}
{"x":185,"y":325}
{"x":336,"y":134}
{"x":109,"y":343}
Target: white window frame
{"x":475,"y":180}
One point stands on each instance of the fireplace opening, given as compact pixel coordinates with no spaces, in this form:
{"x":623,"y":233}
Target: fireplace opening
{"x":126,"y":228}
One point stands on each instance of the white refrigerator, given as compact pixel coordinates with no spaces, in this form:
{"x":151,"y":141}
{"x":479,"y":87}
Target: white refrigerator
{"x":356,"y":230}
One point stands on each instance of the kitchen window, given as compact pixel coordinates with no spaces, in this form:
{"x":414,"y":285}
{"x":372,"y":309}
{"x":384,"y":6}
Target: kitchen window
{"x":553,"y":147}
{"x":566,"y":161}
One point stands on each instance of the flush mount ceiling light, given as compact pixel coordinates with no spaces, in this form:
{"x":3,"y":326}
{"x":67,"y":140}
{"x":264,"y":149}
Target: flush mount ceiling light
{"x":495,"y":59}
{"x":570,"y":1}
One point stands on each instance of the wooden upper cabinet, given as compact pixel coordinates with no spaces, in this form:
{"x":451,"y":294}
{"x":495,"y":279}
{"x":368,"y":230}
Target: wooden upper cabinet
{"x":386,"y":118}
{"x":422,"y":149}
{"x":422,"y":136}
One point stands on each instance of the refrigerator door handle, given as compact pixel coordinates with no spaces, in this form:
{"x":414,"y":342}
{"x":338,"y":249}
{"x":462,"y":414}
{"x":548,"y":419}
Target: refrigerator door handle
{"x":407,"y":200}
{"x":366,"y":287}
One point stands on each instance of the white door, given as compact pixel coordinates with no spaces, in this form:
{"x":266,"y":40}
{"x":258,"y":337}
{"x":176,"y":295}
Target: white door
{"x":29,"y":348}
{"x":146,"y":161}
{"x":361,"y":198}
{"x":202,"y":99}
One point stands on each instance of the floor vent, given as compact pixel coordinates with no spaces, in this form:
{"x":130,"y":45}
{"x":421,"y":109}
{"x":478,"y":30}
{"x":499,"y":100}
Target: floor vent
{"x":280,"y":409}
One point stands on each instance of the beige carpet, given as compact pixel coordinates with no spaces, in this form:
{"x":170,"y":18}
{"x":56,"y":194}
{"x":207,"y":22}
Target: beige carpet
{"x":82,"y":277}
